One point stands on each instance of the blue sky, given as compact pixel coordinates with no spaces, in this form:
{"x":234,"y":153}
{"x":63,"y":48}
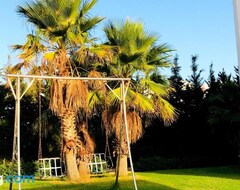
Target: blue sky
{"x":202,"y":27}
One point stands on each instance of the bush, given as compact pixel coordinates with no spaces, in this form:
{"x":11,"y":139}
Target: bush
{"x":27,"y":168}
{"x":6,"y":168}
{"x":30,"y":168}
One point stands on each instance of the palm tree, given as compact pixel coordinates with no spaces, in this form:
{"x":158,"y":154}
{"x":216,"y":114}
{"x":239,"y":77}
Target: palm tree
{"x":63,"y":27}
{"x":137,"y":56}
{"x":29,"y":54}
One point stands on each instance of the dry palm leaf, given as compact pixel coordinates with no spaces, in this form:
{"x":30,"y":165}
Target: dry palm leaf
{"x":106,"y":121}
{"x":76,"y":94}
{"x":96,"y":84}
{"x":85,"y":143}
{"x":57,"y":98}
{"x":134,"y":126}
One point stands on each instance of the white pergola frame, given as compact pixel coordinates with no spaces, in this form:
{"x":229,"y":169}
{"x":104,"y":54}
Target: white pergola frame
{"x":18,"y":96}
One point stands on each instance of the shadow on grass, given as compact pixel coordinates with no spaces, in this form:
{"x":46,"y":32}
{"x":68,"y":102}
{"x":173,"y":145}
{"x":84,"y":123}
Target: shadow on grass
{"x":122,"y":185}
{"x":145,"y":180}
{"x":227,"y":172}
{"x":143,"y":185}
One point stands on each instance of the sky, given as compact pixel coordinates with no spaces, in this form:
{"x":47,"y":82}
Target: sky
{"x":190,"y":27}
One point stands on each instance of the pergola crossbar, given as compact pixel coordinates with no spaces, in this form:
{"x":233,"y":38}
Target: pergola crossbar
{"x":68,"y":78}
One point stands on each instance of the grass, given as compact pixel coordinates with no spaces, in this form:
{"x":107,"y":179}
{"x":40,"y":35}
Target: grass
{"x":217,"y":178}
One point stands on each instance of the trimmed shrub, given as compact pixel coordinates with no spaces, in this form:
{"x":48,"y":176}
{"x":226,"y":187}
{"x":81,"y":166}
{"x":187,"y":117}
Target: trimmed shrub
{"x":7,"y":168}
{"x":27,"y":168}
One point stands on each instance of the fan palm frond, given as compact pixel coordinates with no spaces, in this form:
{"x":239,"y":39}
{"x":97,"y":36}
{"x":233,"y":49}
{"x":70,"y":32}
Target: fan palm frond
{"x":134,"y":126}
{"x":90,"y":23}
{"x":95,"y":100}
{"x":76,"y":95}
{"x":155,"y":88}
{"x":165,"y":111}
{"x":106,"y":120}
{"x":86,"y":6}
{"x":57,"y":99}
{"x":96,"y":84}
{"x":142,"y":103}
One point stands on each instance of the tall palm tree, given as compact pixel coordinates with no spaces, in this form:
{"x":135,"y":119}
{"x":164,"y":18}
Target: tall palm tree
{"x":137,"y":56}
{"x":63,"y":27}
{"x":30,"y":54}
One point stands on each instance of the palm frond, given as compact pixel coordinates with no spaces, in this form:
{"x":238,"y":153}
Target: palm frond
{"x":76,"y":94}
{"x":134,"y":126}
{"x":16,"y":68}
{"x":153,"y":88}
{"x":96,"y":84}
{"x":112,"y":99}
{"x":86,"y":6}
{"x":165,"y":111}
{"x":106,"y":120}
{"x":95,"y":100}
{"x":103,"y":52}
{"x":141,"y":103}
{"x":89,"y":23}
{"x":56,"y":97}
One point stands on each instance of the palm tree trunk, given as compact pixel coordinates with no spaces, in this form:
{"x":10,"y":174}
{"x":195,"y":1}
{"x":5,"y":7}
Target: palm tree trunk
{"x":72,"y":170}
{"x":123,"y":156}
{"x":123,"y":166}
{"x":121,"y":162}
{"x":70,"y":140}
{"x":83,"y":171}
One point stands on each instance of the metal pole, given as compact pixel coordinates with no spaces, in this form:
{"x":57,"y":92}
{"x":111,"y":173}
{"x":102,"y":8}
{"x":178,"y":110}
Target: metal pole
{"x":120,"y":133}
{"x":15,"y":135}
{"x":236,"y":5}
{"x":18,"y":128}
{"x":126,"y":127}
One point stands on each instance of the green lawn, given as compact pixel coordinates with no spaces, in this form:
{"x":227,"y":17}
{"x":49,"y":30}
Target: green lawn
{"x":219,"y":178}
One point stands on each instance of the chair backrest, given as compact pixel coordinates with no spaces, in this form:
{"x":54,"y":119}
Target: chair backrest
{"x":50,"y":167}
{"x":97,"y":163}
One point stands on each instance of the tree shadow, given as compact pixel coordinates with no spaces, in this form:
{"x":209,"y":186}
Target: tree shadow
{"x":227,"y":172}
{"x":107,"y":183}
{"x":122,"y":185}
{"x":142,"y":184}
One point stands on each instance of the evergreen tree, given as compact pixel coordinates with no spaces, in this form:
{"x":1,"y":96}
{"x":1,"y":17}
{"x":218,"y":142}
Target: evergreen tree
{"x":196,"y":79}
{"x":224,"y":114}
{"x":176,"y":79}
